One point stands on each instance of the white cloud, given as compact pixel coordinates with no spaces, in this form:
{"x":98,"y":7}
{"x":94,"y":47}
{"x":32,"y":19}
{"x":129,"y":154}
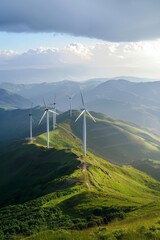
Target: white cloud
{"x":79,"y":62}
{"x":7,"y":53}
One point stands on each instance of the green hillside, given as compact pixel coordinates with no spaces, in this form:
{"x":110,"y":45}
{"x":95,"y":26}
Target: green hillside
{"x":118,"y":141}
{"x":56,"y":189}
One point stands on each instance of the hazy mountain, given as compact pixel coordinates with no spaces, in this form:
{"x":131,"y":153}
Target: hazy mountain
{"x":14,"y":124}
{"x":118,"y":90}
{"x":10,"y":100}
{"x":135,"y":102}
{"x":125,"y":91}
{"x":136,"y":79}
{"x":144,"y":116}
{"x":50,"y":91}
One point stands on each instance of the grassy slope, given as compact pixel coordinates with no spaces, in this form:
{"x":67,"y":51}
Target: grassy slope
{"x":120,"y":142}
{"x":117,"y":141}
{"x":62,"y":194}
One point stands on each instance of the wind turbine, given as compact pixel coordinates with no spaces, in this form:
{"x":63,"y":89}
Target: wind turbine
{"x":46,"y":112}
{"x":84,"y":113}
{"x":70,"y":104}
{"x":54,"y":113}
{"x":30,"y":125}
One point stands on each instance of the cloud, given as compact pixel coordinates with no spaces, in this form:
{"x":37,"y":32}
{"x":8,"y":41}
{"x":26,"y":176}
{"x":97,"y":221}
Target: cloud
{"x":79,"y":62}
{"x":43,"y":58}
{"x":111,"y":20}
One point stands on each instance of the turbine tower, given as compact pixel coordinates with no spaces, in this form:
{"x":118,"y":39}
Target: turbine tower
{"x":70,"y":104}
{"x":30,"y":125}
{"x":55,"y":113}
{"x":46,"y":112}
{"x":84,"y":113}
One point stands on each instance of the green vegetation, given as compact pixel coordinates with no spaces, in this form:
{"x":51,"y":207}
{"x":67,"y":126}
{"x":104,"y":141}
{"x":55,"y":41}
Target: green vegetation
{"x":56,"y":193}
{"x":114,"y":140}
{"x":120,"y":142}
{"x":49,"y":189}
{"x":102,"y":233}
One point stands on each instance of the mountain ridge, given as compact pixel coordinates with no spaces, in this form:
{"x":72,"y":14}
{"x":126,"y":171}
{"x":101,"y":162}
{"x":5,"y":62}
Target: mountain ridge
{"x":10,"y":100}
{"x":135,"y":102}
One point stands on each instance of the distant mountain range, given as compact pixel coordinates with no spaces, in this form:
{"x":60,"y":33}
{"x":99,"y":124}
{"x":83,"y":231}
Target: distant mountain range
{"x":137,"y":102}
{"x":12,"y":100}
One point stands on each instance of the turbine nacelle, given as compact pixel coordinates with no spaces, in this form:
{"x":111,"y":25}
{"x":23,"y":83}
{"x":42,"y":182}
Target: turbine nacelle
{"x":85,"y":112}
{"x":45,"y":112}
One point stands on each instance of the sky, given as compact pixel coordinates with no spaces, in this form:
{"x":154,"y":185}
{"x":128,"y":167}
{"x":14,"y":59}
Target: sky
{"x":52,"y":40}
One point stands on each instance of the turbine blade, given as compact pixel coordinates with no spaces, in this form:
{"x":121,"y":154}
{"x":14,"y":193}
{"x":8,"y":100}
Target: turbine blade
{"x":80,"y":115}
{"x":53,"y":112}
{"x":42,"y":117}
{"x":83,"y":101}
{"x":91,"y":116}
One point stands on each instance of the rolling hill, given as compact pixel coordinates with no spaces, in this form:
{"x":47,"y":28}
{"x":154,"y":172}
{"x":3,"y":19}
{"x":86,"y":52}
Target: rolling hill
{"x":56,"y":189}
{"x":145,"y":93}
{"x":36,"y":92}
{"x":11,"y":100}
{"x":117,"y":141}
{"x":143,"y":116}
{"x":135,"y":102}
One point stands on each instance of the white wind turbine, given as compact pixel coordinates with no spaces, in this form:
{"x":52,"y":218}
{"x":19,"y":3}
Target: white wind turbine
{"x":70,"y":104}
{"x":30,"y":125}
{"x":54,"y":113}
{"x":46,"y":112}
{"x":84,"y":113}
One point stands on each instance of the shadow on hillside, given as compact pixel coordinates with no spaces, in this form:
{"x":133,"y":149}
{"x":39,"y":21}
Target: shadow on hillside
{"x":28,"y":172}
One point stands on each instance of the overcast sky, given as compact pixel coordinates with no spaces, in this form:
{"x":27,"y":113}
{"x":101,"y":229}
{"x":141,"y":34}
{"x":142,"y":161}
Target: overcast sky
{"x":81,"y":38}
